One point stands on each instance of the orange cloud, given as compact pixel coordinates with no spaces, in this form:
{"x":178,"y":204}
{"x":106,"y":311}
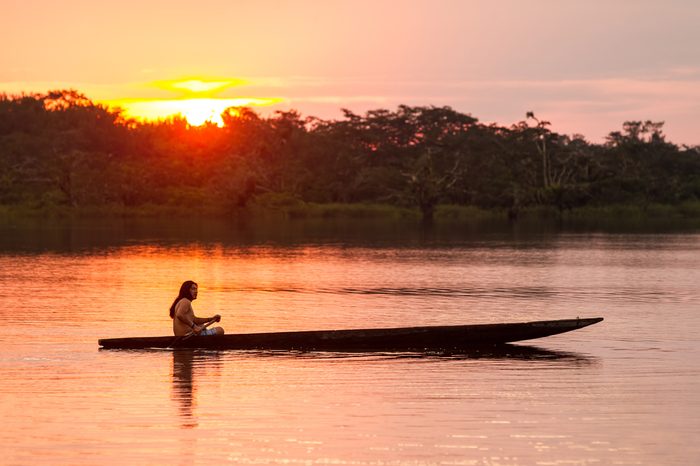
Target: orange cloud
{"x":200,"y":86}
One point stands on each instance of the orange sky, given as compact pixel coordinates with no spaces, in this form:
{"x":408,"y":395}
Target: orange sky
{"x":585,"y":66}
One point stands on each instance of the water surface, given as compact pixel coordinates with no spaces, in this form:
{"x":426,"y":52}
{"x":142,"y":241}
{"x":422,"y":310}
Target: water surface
{"x":620,"y":392}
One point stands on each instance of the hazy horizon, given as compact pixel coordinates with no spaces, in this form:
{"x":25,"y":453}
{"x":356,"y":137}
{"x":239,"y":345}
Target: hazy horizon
{"x":586,"y":67}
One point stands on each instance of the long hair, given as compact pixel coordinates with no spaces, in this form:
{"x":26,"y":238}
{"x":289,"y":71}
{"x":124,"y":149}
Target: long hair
{"x":184,"y":293}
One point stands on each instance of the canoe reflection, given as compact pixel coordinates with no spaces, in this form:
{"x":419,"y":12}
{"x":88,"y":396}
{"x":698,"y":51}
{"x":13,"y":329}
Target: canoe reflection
{"x":517,"y":352}
{"x":505,"y":351}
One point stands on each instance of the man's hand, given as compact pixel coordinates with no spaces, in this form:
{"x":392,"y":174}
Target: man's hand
{"x":217,"y":318}
{"x":197,"y":329}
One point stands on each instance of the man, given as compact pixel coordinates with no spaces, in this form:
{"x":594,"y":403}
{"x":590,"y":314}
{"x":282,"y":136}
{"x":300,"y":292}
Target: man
{"x":184,"y":320}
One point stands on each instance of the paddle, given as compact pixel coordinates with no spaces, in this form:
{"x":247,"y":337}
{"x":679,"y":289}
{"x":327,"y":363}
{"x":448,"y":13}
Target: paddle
{"x":190,"y":334}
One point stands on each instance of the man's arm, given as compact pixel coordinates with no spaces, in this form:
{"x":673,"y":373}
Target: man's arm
{"x":206,"y":320}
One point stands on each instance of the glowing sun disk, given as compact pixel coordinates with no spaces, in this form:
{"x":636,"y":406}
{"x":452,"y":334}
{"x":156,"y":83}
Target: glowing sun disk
{"x":195,"y":111}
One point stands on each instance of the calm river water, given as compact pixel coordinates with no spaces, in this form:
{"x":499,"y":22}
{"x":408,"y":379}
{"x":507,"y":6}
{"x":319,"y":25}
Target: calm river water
{"x":625,"y":391}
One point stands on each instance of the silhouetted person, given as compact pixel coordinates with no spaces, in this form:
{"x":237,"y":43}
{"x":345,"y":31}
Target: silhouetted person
{"x":184,"y":320}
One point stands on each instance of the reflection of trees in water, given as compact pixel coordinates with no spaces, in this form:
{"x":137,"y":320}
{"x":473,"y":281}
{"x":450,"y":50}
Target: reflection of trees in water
{"x":187,"y":363}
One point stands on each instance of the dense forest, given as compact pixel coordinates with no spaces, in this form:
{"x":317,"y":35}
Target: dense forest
{"x":60,"y":148}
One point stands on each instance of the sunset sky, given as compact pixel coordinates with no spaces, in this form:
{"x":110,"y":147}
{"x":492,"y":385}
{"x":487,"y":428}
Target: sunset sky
{"x":586,"y":66}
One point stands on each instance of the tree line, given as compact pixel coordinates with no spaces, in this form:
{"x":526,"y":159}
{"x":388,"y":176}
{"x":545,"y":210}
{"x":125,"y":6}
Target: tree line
{"x":60,"y":148}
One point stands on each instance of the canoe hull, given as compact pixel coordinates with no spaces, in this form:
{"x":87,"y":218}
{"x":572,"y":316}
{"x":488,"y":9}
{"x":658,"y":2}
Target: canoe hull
{"x":384,"y":339}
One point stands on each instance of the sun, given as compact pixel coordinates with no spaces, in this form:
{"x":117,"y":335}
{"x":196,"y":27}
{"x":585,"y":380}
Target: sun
{"x":195,"y":111}
{"x":197,"y":102}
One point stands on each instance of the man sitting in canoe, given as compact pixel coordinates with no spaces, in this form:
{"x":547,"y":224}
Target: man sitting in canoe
{"x":184,"y":320}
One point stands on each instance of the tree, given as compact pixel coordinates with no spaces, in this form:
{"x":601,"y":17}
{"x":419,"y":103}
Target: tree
{"x":425,"y":144}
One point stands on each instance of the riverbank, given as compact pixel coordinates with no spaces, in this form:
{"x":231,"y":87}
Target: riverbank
{"x":291,"y":209}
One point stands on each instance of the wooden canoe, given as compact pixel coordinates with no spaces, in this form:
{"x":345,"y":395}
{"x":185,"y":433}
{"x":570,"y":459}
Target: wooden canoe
{"x":381,"y":339}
